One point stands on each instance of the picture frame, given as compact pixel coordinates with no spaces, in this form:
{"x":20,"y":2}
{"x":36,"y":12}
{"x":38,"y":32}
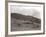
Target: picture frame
{"x":19,"y":7}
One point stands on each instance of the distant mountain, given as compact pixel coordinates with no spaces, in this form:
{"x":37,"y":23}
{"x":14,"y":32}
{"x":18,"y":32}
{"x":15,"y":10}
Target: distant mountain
{"x":26,"y":18}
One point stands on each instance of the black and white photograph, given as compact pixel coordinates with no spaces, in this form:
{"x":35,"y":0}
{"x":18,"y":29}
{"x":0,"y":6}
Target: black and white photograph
{"x":25,"y":18}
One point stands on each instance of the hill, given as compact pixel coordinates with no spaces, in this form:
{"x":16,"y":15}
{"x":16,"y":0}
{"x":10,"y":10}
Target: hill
{"x":26,"y":18}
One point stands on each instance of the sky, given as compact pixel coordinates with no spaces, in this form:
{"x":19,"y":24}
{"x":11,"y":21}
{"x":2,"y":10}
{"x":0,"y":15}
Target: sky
{"x":27,"y":10}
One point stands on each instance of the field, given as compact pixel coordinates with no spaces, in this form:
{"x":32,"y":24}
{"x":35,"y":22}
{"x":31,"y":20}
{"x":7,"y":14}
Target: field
{"x":23,"y":23}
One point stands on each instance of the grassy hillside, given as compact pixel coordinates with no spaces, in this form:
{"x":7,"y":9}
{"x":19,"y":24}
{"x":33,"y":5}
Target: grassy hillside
{"x":26,"y":18}
{"x":22,"y":23}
